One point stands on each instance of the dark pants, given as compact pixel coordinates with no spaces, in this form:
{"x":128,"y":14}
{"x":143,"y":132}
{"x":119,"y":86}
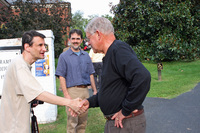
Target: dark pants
{"x":135,"y":124}
{"x":97,"y":75}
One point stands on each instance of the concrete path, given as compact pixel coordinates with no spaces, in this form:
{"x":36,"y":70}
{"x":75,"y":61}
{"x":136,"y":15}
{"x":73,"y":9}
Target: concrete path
{"x":178,"y":115}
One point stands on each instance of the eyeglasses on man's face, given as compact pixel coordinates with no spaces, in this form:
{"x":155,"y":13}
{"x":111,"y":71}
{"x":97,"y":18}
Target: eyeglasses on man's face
{"x":87,"y":39}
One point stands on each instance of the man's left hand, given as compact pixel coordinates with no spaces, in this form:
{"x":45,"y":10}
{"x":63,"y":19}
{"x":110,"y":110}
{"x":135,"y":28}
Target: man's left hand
{"x":95,"y":92}
{"x":118,"y":117}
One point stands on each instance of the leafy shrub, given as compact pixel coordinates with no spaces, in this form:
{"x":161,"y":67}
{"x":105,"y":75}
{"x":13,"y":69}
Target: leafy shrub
{"x":159,"y":30}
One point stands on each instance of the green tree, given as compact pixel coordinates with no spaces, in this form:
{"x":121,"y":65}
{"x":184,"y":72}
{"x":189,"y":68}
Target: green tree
{"x":78,"y":22}
{"x":37,"y":16}
{"x":159,"y":29}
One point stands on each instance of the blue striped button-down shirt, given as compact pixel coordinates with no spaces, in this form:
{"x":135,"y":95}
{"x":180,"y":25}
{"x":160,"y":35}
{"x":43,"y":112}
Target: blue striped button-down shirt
{"x":75,"y":69}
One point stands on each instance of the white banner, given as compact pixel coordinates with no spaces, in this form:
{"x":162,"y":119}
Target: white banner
{"x":5,"y":58}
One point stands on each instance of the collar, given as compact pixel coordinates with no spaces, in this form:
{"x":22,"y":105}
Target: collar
{"x":29,"y":66}
{"x":71,"y":52}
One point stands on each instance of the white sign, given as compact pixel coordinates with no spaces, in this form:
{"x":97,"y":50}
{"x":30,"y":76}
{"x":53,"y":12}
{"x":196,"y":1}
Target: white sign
{"x":5,"y":58}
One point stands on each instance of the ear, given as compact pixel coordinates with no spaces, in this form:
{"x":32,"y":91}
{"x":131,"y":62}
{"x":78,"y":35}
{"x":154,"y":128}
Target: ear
{"x":26,"y":47}
{"x":99,"y":34}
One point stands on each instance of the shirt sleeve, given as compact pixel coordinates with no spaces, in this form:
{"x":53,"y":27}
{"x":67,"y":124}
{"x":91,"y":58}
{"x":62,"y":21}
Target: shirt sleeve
{"x":91,"y":53}
{"x":30,"y":88}
{"x":137,"y":77}
{"x":61,"y":67}
{"x":93,"y":100}
{"x":90,"y":66}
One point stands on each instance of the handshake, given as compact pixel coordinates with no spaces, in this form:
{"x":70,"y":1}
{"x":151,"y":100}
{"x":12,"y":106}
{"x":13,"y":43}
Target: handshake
{"x":78,"y":106}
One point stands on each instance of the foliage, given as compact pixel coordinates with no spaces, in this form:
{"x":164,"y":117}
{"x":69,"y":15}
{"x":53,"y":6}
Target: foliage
{"x":159,"y":29}
{"x":107,"y":16}
{"x":78,"y":22}
{"x":29,"y":15}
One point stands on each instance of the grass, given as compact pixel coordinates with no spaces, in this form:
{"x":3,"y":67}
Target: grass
{"x":95,"y":123}
{"x":177,"y":78}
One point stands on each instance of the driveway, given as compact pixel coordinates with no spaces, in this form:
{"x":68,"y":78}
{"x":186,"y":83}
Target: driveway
{"x":177,"y":115}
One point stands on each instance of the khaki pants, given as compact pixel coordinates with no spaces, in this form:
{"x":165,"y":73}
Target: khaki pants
{"x":77,"y":124}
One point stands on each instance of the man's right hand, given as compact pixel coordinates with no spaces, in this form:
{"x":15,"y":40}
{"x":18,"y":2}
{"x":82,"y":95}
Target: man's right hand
{"x":77,"y":106}
{"x":84,"y":104}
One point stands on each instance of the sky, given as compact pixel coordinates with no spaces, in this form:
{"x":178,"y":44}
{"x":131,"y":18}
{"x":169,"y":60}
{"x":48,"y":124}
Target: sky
{"x":92,"y":7}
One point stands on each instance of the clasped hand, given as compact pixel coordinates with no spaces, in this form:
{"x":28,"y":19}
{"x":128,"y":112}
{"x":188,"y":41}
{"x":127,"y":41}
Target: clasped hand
{"x":118,"y":117}
{"x":78,"y":106}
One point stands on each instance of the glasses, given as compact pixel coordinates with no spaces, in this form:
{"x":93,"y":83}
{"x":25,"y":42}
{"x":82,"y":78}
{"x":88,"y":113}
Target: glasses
{"x":87,"y":39}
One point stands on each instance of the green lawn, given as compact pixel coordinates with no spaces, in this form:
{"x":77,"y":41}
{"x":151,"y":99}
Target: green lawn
{"x":177,"y":78}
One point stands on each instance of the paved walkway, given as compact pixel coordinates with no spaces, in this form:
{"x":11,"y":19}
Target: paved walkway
{"x":178,"y":115}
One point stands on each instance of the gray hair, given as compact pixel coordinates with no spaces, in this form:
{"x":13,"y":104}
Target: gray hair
{"x":101,"y":24}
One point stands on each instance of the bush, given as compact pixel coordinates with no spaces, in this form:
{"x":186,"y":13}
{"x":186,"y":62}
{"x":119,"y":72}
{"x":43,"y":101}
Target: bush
{"x":159,"y":30}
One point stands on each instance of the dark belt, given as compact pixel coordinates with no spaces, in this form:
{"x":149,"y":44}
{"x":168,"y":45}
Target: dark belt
{"x":81,"y":86}
{"x":129,"y":116}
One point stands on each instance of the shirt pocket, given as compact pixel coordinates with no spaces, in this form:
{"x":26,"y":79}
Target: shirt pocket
{"x":87,"y":67}
{"x":18,"y":91}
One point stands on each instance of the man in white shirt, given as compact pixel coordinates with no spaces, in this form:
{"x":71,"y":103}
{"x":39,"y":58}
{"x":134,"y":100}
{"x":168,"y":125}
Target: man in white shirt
{"x":20,"y":88}
{"x":98,"y":64}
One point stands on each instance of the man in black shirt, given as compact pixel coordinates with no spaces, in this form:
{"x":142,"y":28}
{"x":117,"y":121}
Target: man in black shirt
{"x":125,"y":81}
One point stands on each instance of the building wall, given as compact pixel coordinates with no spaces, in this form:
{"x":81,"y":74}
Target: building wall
{"x":8,"y":5}
{"x":5,"y":8}
{"x":66,"y":12}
